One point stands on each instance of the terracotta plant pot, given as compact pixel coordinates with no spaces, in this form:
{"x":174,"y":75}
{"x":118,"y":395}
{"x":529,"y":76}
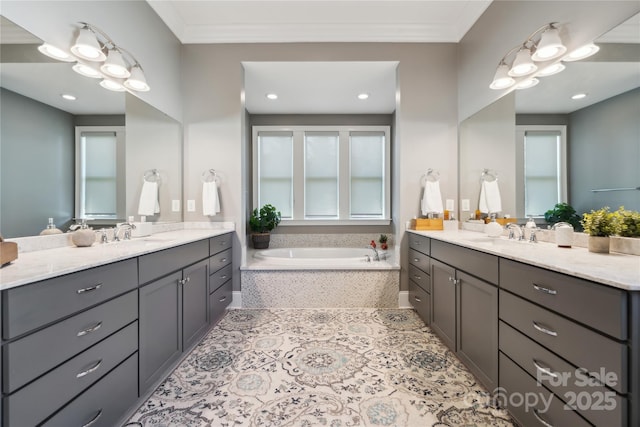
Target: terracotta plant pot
{"x":261,"y":240}
{"x":599,"y":244}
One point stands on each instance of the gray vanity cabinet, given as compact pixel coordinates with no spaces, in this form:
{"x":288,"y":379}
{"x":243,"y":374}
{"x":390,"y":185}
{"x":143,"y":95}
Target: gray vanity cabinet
{"x":173,"y":308}
{"x":221,"y":272}
{"x":419,"y":276}
{"x":464,"y":310}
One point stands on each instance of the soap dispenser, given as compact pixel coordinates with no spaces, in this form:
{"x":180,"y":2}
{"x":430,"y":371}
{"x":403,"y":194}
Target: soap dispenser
{"x":51,"y":229}
{"x":83,"y":235}
{"x":493,"y":229}
{"x":564,"y":234}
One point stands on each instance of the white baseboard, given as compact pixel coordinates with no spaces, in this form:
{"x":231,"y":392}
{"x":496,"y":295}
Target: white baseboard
{"x":403,"y":300}
{"x":236,"y":302}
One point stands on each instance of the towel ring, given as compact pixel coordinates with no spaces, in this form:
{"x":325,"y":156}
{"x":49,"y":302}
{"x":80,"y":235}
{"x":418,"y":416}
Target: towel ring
{"x":431,"y":176}
{"x":210,"y":176}
{"x":489,"y":175}
{"x":152,"y":175}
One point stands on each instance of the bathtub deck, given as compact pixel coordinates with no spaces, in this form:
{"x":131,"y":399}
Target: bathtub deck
{"x":320,"y":288}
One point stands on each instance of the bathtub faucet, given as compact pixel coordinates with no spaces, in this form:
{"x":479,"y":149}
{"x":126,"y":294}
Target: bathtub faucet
{"x":376,"y":256}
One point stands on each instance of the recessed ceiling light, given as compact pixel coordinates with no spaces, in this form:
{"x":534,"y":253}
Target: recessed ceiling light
{"x":579,"y":96}
{"x":363,"y":96}
{"x":271,"y":96}
{"x":68,"y":97}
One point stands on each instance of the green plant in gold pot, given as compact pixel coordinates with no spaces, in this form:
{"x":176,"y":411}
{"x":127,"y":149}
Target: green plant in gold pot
{"x":599,"y":225}
{"x":628,"y":222}
{"x":262,"y":221}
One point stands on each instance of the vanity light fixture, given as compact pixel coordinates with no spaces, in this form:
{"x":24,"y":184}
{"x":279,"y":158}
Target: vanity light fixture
{"x":582,"y":52}
{"x":527,"y":83}
{"x":542,"y":45}
{"x":363,"y":96}
{"x":97,"y":56}
{"x":551,"y":69}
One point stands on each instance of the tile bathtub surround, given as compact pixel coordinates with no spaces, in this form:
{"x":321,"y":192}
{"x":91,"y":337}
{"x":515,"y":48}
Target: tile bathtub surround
{"x":332,"y":367}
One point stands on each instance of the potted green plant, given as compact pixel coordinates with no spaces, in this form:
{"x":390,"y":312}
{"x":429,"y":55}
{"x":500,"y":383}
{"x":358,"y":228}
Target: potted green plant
{"x":262,"y":221}
{"x":599,"y":225}
{"x":563,"y":212}
{"x":628,"y":222}
{"x":383,"y":242}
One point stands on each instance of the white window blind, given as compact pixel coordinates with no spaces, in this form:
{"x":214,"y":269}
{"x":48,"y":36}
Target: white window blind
{"x":275,"y":171}
{"x":98,"y":186}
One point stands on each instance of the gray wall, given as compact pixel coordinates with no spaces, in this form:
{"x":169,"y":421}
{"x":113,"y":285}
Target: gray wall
{"x":604,"y":152}
{"x":215,"y":122}
{"x":37,"y":165}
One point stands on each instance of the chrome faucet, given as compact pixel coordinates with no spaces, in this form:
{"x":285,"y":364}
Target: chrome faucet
{"x":103,"y":236}
{"x":376,"y":256}
{"x":127,"y":227}
{"x":512,"y":227}
{"x":532,"y":235}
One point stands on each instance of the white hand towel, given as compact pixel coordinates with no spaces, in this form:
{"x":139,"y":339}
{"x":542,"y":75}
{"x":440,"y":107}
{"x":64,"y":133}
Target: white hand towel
{"x":210,"y":199}
{"x":148,"y":204}
{"x":490,"y":201}
{"x":431,"y":199}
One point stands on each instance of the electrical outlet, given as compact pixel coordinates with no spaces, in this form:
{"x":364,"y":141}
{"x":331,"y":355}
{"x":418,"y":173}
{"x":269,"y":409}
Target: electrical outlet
{"x":175,"y":205}
{"x":465,"y":205}
{"x":191,"y":205}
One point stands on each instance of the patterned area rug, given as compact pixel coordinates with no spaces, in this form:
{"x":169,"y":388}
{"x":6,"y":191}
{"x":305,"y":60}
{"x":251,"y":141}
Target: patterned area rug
{"x":322,"y":367}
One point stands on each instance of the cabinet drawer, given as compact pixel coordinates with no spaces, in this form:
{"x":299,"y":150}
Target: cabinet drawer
{"x":217,"y":261}
{"x":476,"y":263}
{"x":420,"y":277}
{"x":549,"y":369}
{"x":35,"y":402}
{"x":161,"y":263}
{"x":419,"y":243}
{"x":602,"y":307}
{"x":516,"y":382}
{"x":581,"y":346}
{"x":420,"y":260}
{"x":219,"y":277}
{"x":219,"y":300}
{"x":62,"y":296}
{"x":421,"y":301}
{"x":98,"y":406}
{"x":65,"y":339}
{"x":220,"y":243}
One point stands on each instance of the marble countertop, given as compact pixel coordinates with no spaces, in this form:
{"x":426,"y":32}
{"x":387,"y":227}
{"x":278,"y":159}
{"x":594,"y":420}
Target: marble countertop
{"x":44,"y":264}
{"x":614,"y":269}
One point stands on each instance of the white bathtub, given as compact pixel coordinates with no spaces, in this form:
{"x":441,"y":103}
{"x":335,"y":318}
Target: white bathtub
{"x":312,"y":257}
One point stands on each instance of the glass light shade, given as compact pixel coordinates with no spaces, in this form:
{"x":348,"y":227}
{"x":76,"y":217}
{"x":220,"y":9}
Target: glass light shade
{"x":87,"y":70}
{"x":112,"y":85}
{"x":115,"y":66}
{"x":87,"y":46}
{"x":502,"y":80}
{"x":551,"y":69}
{"x":137,"y":81}
{"x":55,"y":53}
{"x":582,"y":52}
{"x":527,"y":83}
{"x":550,"y":46}
{"x":523,"y":64}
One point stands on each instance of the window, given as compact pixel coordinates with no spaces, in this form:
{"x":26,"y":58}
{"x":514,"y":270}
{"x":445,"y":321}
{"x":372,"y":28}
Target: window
{"x":98,"y":188}
{"x":323,"y":175}
{"x":544,"y":180}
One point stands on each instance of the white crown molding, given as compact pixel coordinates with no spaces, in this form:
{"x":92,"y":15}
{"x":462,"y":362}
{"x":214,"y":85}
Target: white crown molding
{"x":168,"y":12}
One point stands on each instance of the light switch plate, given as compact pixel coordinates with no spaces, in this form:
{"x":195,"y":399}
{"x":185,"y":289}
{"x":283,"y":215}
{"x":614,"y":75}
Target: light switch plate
{"x":175,"y":205}
{"x":465,"y":205}
{"x":191,"y":205}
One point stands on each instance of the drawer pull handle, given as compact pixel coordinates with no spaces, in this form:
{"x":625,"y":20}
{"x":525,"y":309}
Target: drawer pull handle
{"x":90,"y":370}
{"x":223,"y":260}
{"x":540,"y":419}
{"x":223,"y":299}
{"x":94,"y":419}
{"x":545,"y":330}
{"x":224,"y":276}
{"x":543,"y":369}
{"x":544,"y":290}
{"x":416,"y":260}
{"x":89,"y":289}
{"x":90,"y":329}
{"x":417,"y":299}
{"x":417,"y":277}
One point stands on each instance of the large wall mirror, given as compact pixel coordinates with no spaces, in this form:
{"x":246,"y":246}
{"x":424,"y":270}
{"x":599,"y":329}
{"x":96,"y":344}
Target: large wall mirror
{"x":39,"y":159}
{"x":599,"y":165}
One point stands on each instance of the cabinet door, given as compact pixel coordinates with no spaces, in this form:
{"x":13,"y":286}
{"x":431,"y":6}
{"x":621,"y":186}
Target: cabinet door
{"x":443,"y":299}
{"x":195,"y":300}
{"x":160,"y":328}
{"x":478,"y":328}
